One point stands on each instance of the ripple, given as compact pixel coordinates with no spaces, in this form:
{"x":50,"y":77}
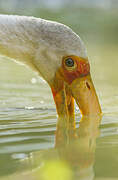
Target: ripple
{"x":26,"y":129}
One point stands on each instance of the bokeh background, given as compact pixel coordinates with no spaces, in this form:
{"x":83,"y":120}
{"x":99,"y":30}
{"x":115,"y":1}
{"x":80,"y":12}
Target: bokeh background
{"x":27,"y":112}
{"x":96,"y":21}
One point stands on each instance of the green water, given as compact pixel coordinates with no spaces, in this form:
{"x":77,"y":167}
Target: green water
{"x":28,"y":125}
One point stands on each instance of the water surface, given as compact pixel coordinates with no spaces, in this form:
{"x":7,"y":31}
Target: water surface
{"x":28,"y":125}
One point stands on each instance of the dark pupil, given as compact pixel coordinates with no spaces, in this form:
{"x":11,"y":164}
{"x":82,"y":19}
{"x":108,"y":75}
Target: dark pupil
{"x":69,"y":62}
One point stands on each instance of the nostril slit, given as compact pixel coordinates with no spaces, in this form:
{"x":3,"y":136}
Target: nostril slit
{"x":88,"y":86}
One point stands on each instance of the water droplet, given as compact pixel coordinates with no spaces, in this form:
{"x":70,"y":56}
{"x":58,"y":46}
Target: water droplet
{"x":33,"y":80}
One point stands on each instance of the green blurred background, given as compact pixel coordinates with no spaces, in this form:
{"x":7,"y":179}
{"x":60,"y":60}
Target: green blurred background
{"x":95,"y":20}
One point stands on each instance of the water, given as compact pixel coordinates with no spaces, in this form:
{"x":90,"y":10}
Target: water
{"x":28,"y":126}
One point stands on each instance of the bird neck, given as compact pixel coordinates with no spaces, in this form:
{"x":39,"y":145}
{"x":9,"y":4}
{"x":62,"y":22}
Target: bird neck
{"x":16,"y":39}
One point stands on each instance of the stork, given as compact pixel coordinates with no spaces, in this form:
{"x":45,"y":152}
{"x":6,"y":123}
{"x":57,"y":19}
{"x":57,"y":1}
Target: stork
{"x":58,"y":55}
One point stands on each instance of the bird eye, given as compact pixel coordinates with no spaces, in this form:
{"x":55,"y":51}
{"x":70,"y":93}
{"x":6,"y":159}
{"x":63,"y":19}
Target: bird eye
{"x":69,"y":62}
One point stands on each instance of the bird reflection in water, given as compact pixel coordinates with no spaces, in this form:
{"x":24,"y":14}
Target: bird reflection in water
{"x":74,"y":153}
{"x":77,"y":146}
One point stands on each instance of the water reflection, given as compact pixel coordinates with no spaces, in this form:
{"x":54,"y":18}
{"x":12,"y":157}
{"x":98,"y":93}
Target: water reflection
{"x":73,"y":156}
{"x":79,"y":147}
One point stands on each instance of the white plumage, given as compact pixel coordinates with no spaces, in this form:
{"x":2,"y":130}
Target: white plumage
{"x":50,"y":48}
{"x":39,"y":43}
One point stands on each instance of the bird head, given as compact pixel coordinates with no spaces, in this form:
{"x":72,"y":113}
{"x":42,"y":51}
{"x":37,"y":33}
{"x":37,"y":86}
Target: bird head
{"x":64,"y":64}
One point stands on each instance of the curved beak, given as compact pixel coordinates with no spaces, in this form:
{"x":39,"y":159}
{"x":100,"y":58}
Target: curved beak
{"x":84,"y":93}
{"x":78,"y":85}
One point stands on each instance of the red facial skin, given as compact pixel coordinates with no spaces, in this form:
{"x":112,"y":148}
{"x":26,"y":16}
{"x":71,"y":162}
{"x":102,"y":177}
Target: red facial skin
{"x":82,"y":69}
